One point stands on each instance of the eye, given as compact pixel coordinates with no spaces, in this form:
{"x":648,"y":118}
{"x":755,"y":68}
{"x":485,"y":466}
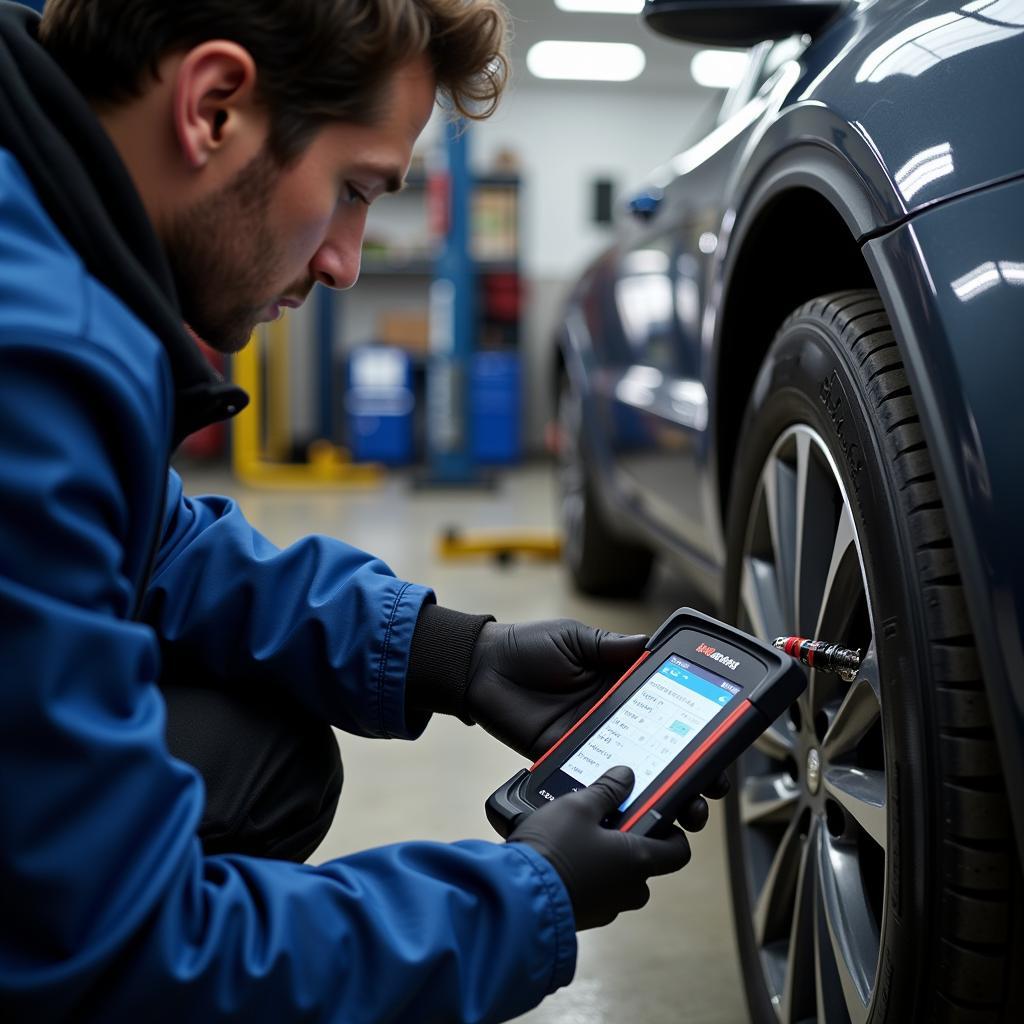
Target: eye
{"x":353,"y":195}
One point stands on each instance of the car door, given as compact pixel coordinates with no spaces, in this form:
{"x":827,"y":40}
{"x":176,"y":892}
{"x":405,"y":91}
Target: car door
{"x":655,"y":392}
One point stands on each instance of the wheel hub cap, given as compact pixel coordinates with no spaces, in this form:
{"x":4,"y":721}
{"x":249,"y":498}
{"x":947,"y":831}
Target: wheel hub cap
{"x":813,"y":771}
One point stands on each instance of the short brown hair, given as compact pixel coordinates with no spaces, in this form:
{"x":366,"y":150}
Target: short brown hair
{"x":318,"y":61}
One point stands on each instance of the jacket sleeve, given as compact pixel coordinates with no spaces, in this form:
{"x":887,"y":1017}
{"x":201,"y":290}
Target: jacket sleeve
{"x":330,"y":623}
{"x":110,"y":911}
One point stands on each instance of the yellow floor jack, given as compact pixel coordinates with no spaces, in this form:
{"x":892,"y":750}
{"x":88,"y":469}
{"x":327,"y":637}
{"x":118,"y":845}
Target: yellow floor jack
{"x":504,"y":548}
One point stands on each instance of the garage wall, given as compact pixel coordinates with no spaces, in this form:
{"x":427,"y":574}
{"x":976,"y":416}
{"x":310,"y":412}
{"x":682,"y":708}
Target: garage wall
{"x":565,"y":137}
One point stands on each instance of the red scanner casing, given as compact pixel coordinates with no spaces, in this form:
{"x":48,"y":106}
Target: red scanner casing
{"x":771,"y":682}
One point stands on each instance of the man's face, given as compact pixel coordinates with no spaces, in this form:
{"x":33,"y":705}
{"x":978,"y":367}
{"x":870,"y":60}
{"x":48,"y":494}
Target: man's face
{"x":258,"y":244}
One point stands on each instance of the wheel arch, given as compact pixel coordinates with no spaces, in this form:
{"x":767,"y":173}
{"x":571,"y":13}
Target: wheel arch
{"x":797,"y":236}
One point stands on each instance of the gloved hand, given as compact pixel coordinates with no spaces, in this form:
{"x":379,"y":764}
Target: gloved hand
{"x":604,"y":871}
{"x":694,"y":817}
{"x":531,"y":681}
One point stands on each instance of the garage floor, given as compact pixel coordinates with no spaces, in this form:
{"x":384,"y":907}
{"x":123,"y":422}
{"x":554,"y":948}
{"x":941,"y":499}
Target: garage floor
{"x":672,"y":962}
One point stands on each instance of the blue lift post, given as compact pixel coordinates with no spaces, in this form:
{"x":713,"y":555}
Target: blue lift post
{"x":453,"y":330}
{"x":453,"y":333}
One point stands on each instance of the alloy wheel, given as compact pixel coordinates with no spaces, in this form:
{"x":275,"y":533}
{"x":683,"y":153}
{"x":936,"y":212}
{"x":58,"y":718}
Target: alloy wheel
{"x":813,"y":792}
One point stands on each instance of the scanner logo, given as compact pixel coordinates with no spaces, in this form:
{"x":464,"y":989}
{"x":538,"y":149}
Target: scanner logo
{"x":709,"y":652}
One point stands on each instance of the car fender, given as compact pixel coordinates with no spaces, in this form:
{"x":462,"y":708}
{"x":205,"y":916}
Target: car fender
{"x":931,"y":89}
{"x":809,"y":145}
{"x":952,"y":279}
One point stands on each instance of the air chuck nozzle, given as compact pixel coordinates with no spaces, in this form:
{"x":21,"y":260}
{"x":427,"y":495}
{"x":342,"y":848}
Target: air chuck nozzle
{"x":822,"y":656}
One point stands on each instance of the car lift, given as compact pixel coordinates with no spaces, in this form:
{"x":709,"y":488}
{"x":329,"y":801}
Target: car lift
{"x":327,"y":465}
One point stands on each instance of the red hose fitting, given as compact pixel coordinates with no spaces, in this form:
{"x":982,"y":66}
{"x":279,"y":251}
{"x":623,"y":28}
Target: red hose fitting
{"x":822,"y":656}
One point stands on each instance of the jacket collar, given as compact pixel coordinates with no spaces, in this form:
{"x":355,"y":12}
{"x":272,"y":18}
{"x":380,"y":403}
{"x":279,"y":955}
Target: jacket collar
{"x":87,"y":191}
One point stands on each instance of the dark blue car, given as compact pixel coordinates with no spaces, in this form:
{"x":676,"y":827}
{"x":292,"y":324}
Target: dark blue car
{"x":798,"y":375}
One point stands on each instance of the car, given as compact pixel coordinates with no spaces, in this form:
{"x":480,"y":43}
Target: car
{"x":796,"y":378}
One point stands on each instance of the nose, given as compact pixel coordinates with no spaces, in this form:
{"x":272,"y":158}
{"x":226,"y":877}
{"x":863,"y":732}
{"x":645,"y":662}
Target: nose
{"x":336,"y":263}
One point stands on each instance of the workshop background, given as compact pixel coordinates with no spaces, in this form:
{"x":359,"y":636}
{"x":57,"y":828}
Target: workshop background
{"x":423,"y":401}
{"x":415,"y":417}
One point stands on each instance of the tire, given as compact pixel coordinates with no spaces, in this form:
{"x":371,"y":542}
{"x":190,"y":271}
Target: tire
{"x":600,"y":562}
{"x":879,"y":884}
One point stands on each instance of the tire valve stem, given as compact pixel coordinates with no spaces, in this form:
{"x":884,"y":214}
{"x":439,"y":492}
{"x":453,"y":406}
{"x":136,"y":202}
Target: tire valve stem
{"x":822,"y":656}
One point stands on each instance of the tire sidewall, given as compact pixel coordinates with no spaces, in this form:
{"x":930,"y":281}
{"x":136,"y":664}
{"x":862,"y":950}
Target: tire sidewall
{"x":809,"y":377}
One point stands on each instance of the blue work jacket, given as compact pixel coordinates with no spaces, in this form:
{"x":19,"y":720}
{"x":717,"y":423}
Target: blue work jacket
{"x":109,"y":910}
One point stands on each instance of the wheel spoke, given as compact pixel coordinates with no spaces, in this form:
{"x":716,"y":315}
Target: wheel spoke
{"x":768,"y":799}
{"x":843,"y":547}
{"x":803,"y":519}
{"x":827,"y":985}
{"x":773,"y":910}
{"x":759,"y":592}
{"x":861,"y":793}
{"x":851,"y":949}
{"x":816,"y":503}
{"x":841,"y":588}
{"x":797,"y":1000}
{"x":868,"y":671}
{"x":780,"y":503}
{"x":858,"y":713}
{"x":776,"y":742}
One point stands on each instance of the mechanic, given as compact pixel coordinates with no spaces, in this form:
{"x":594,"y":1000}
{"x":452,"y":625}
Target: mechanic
{"x":206,"y":162}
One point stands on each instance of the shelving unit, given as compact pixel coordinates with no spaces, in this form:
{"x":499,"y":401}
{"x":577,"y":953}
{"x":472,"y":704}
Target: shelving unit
{"x":400,"y":262}
{"x":398,"y":254}
{"x":404,"y":258}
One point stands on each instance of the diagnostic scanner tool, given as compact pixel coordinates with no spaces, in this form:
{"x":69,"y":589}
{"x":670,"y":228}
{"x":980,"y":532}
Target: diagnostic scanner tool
{"x":701,"y":693}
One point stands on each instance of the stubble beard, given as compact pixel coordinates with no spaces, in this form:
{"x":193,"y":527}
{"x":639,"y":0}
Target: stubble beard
{"x":222,"y":255}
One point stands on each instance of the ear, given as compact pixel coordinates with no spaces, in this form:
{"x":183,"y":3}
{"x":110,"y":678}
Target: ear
{"x":214,"y":99}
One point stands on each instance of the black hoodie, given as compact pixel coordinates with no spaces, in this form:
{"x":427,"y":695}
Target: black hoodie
{"x":87,"y":191}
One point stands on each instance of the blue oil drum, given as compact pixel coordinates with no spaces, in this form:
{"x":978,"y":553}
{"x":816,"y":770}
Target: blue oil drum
{"x":495,"y":406}
{"x":379,"y":405}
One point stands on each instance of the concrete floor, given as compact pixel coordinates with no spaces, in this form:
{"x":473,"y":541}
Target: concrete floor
{"x":672,"y":962}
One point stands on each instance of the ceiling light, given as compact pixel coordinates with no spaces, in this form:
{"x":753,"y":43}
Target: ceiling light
{"x":593,"y":62}
{"x":601,"y":6}
{"x":718,"y":69}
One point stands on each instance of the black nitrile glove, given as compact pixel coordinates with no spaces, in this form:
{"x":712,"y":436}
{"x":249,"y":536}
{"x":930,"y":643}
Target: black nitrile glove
{"x":695,"y":816}
{"x":525,"y":684}
{"x":605,"y":871}
{"x":531,"y":681}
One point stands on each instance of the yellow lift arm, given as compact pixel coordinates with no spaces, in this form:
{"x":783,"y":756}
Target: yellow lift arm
{"x":327,"y":465}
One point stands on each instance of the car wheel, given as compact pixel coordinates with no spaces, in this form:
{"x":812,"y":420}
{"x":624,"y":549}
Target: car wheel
{"x":601,"y":563}
{"x":871,"y":858}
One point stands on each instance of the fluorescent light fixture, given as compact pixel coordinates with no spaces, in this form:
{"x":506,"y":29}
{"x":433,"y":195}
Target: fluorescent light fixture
{"x":718,"y":69}
{"x":600,"y":6}
{"x":591,"y":62}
